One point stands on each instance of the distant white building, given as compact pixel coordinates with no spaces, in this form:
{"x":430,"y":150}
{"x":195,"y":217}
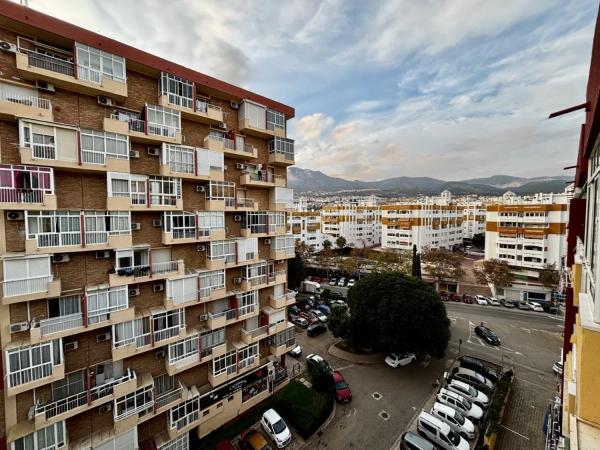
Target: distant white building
{"x":359,"y":224}
{"x":306,"y":227}
{"x":473,"y":219}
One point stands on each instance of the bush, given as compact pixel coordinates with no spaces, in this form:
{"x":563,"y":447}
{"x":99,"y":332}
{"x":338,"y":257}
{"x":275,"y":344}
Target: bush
{"x":321,"y":378}
{"x":338,"y":321}
{"x":494,"y":412}
{"x":305,"y":409}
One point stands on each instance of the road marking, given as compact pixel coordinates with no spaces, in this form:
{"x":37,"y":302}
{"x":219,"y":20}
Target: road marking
{"x":513,"y":431}
{"x":344,"y":367}
{"x":526,"y":329}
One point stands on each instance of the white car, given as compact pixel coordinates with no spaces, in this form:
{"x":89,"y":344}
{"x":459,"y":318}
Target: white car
{"x":296,"y":351}
{"x":536,"y":307}
{"x":395,"y":360}
{"x":469,"y":392}
{"x":494,"y":301}
{"x":319,"y":315}
{"x":351,"y":282}
{"x":342,"y":282}
{"x":276,"y":428}
{"x":480,"y":299}
{"x":557,"y":368}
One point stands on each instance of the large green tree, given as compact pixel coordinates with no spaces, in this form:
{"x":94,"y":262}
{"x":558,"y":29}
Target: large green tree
{"x":338,"y":321}
{"x":549,"y":277}
{"x":442,"y":265}
{"x":392,"y":311}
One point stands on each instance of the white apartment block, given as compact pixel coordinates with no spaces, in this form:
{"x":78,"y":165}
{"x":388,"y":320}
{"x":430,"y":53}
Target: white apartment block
{"x":528,"y":235}
{"x":306,"y":227}
{"x":359,"y":224}
{"x":473,"y":219}
{"x":434,"y":222}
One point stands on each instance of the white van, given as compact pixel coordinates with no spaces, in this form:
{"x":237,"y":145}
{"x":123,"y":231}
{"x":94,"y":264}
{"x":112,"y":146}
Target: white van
{"x":457,"y":421}
{"x":460,"y":403}
{"x":440,"y":433}
{"x":469,"y":392}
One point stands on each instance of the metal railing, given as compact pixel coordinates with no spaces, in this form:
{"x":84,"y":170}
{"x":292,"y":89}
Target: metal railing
{"x":247,"y":309}
{"x":27,"y":100}
{"x":165,"y":267}
{"x":43,"y":151}
{"x":250,"y":360}
{"x":25,"y":286}
{"x":185,"y":420}
{"x":256,"y":332}
{"x":181,"y":167}
{"x":47,"y":62}
{"x":167,"y":333}
{"x":204,"y":106}
{"x":61,"y":239}
{"x":165,"y":398}
{"x":106,"y":389}
{"x":62,"y":406}
{"x":60,"y":323}
{"x":96,"y":237}
{"x":29,"y":374}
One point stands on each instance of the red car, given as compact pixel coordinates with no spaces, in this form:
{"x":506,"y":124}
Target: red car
{"x":310,"y":317}
{"x":342,"y":390}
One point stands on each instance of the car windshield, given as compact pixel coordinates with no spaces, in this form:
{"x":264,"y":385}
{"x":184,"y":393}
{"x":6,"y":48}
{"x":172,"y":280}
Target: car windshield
{"x":460,"y":419}
{"x":279,"y":426}
{"x":454,"y":438}
{"x":472,"y":391}
{"x":466,"y":404}
{"x":341,"y":385}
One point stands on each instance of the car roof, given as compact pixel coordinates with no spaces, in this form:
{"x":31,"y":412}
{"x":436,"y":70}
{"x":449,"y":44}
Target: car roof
{"x":444,"y":408}
{"x":315,"y":357}
{"x":444,"y":391}
{"x":454,"y":382}
{"x":414,"y":438}
{"x":443,"y":426}
{"x":255,"y":437}
{"x":337,"y":376}
{"x":271,"y":415}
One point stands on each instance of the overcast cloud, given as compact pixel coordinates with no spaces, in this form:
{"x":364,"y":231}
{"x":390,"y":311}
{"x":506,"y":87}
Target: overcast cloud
{"x":448,"y":89}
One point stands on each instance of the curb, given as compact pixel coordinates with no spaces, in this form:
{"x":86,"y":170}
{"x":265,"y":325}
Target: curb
{"x":351,"y":357}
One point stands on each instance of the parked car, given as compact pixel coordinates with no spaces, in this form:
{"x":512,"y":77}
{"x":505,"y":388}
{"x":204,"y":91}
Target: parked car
{"x":557,"y":368}
{"x":412,"y":441}
{"x":487,"y":335}
{"x":332,"y":282}
{"x":479,"y":366}
{"x":536,"y":307}
{"x":469,"y":392}
{"x":324,"y":309}
{"x":338,"y":303}
{"x":252,"y":439}
{"x":508,"y":304}
{"x":316,"y":360}
{"x":481,"y":300}
{"x":457,"y":421}
{"x":460,"y":403}
{"x":440,"y":433}
{"x":310,"y":317}
{"x":342,"y":390}
{"x":316,"y":329}
{"x":342,"y":282}
{"x":319,"y":315}
{"x":293,"y":310}
{"x":276,"y":428}
{"x":335,"y":295}
{"x":471,"y":377}
{"x":493,"y":301}
{"x":524,"y":306}
{"x":296,"y":352}
{"x":399,"y":359}
{"x":351,"y":282}
{"x":467,"y":299}
{"x":300,"y":321}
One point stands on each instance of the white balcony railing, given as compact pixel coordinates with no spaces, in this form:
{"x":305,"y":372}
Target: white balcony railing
{"x":164,"y":267}
{"x":165,"y":398}
{"x":61,"y":323}
{"x":256,"y":332}
{"x":30,"y":374}
{"x":166,"y":333}
{"x":62,"y":406}
{"x":26,"y":286}
{"x":27,"y":100}
{"x":61,"y":239}
{"x":107,"y":388}
{"x":247,"y":309}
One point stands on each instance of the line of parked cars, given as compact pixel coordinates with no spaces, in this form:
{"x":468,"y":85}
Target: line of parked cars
{"x":458,"y":410}
{"x":525,"y":306}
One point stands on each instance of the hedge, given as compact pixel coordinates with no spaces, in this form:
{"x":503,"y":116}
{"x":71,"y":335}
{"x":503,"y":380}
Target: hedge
{"x":494,"y":414}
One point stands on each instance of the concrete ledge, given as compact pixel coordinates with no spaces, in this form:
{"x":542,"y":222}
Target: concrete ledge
{"x":376,"y":358}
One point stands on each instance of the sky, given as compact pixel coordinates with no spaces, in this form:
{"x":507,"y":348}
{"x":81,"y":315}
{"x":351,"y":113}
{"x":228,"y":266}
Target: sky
{"x":382,"y":88}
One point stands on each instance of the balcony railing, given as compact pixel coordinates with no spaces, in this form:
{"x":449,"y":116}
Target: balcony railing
{"x":243,"y":363}
{"x":247,"y":309}
{"x":61,"y":323}
{"x":30,"y":374}
{"x":256,"y":332}
{"x":164,"y":267}
{"x":44,"y":151}
{"x":27,"y":100}
{"x":26,"y":286}
{"x":165,"y":398}
{"x":62,"y":239}
{"x":167,"y":333}
{"x":25,"y":184}
{"x":204,"y":106}
{"x":107,"y":388}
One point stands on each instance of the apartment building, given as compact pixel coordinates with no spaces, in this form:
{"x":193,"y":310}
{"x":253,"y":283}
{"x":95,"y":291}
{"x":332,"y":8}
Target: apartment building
{"x":574,"y":420}
{"x":528,"y":235}
{"x":473,"y":219}
{"x":360,"y":224}
{"x":305,"y":226}
{"x":434,"y":222}
{"x":143,"y":243}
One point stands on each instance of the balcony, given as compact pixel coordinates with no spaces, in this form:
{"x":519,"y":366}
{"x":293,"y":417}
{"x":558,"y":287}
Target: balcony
{"x":143,"y":273}
{"x":127,"y":192}
{"x":140,"y":128}
{"x":14,"y":105}
{"x":240,"y":203}
{"x":188,"y":361}
{"x":258,"y":120}
{"x":26,"y":187}
{"x":255,"y":335}
{"x":130,"y":408}
{"x":54,"y":327}
{"x":185,"y":416}
{"x":198,"y":109}
{"x":192,"y":235}
{"x":282,"y":199}
{"x":262,"y":230}
{"x":37,"y":61}
{"x":28,"y":289}
{"x":281,"y":301}
{"x":281,"y":152}
{"x":191,"y":163}
{"x":237,"y":366}
{"x":279,"y":349}
{"x":233,"y":148}
{"x":221,"y":319}
{"x":260,"y":178}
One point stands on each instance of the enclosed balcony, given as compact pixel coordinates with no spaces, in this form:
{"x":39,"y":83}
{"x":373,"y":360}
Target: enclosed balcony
{"x":27,"y":278}
{"x":283,"y":247}
{"x":153,"y":125}
{"x":141,"y":263}
{"x":26,"y":187}
{"x":280,"y":298}
{"x":129,"y":408}
{"x":258,"y":120}
{"x":263,"y":224}
{"x":185,"y":416}
{"x":81,"y":69}
{"x":141,"y":192}
{"x":201,"y":345}
{"x":168,"y":392}
{"x":195,"y":287}
{"x":241,"y":358}
{"x":283,"y":341}
{"x":74,"y":231}
{"x":232,"y":145}
{"x":180,"y":94}
{"x":231,"y":253}
{"x":186,"y":227}
{"x":281,"y":199}
{"x":281,"y":151}
{"x":226,"y":311}
{"x":258,"y":275}
{"x":253,"y":330}
{"x":22,"y":100}
{"x":191,"y":163}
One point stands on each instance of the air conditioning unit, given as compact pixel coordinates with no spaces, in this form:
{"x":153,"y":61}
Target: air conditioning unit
{"x":157,"y":223}
{"x":136,"y":226}
{"x":70,"y":346}
{"x":237,"y":280}
{"x":134,"y":292}
{"x":234,"y":105}
{"x":134,"y":154}
{"x":240,"y":166}
{"x":158,"y":287}
{"x":102,"y":254}
{"x":267,"y":241}
{"x":15,"y":215}
{"x":280,"y":261}
{"x":103,"y":337}
{"x":237,"y":218}
{"x":44,"y":86}
{"x":159,"y":354}
{"x":203,"y":317}
{"x":200,"y":188}
{"x":19,"y":326}
{"x":105,"y":409}
{"x":222,"y":125}
{"x":153,"y":151}
{"x":201,"y":248}
{"x":104,"y":101}
{"x":8,"y":46}
{"x":60,"y":258}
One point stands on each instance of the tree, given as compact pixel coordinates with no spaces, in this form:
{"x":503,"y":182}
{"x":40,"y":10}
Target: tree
{"x":340,"y":242}
{"x":416,"y":263}
{"x":350,"y":265}
{"x":549,"y":277}
{"x":338,"y":321}
{"x":478,"y":240}
{"x":296,"y":271}
{"x":326,"y":244}
{"x":391,"y":262}
{"x":303,"y":249}
{"x":442,"y":265}
{"x":495,"y":273}
{"x":394,"y":312}
{"x":321,"y":377}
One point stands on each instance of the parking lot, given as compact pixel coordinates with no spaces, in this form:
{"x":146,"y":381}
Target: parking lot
{"x":385,"y":400}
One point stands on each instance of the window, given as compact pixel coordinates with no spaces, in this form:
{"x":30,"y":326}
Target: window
{"x":179,"y":91}
{"x":185,"y":413}
{"x":127,"y":185}
{"x":30,"y":363}
{"x":254,"y":114}
{"x":222,"y":250}
{"x":49,"y":438}
{"x":72,"y":384}
{"x":181,"y":225}
{"x":97,"y":145}
{"x":167,"y":324}
{"x":40,"y":138}
{"x":164,"y":191}
{"x":140,"y":401}
{"x":221,"y":190}
{"x":285,"y":243}
{"x":53,"y":228}
{"x":131,"y":258}
{"x":179,"y":158}
{"x":209,"y":160}
{"x":247,"y":249}
{"x":163,"y":121}
{"x":211,"y":339}
{"x":183,"y":349}
{"x":26,"y":275}
{"x":211,"y":220}
{"x":132,"y":332}
{"x":182,"y":290}
{"x":282,"y":146}
{"x":286,"y":337}
{"x":247,"y":355}
{"x":247,"y":302}
{"x":64,"y":306}
{"x":210,"y":281}
{"x":275,"y":120}
{"x":93,"y":64}
{"x":223,"y":363}
{"x":102,"y":301}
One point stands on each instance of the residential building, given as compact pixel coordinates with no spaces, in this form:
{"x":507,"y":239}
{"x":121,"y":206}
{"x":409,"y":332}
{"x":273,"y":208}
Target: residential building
{"x":473,"y":219}
{"x":434,"y":222}
{"x":360,"y":225}
{"x":305,"y":226}
{"x":529,"y":235}
{"x":144,"y":245}
{"x":575,"y":419}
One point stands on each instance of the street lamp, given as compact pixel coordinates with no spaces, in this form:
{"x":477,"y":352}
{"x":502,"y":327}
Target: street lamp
{"x":459,"y":344}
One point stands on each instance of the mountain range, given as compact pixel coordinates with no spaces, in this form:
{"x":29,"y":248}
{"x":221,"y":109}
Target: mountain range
{"x":306,"y":180}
